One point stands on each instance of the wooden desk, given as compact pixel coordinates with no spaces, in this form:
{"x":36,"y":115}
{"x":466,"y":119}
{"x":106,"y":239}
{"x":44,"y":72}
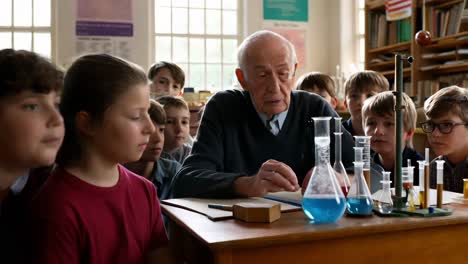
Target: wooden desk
{"x":292,"y":239}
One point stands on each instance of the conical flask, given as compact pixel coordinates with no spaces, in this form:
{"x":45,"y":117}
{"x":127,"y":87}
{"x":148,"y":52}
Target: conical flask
{"x":323,"y":200}
{"x":384,"y":202}
{"x":359,"y":201}
{"x":338,"y":167}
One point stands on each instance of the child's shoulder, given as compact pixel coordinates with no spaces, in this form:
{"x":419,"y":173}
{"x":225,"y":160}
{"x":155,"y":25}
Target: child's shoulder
{"x":134,"y":180}
{"x":410,"y":153}
{"x":167,"y":164}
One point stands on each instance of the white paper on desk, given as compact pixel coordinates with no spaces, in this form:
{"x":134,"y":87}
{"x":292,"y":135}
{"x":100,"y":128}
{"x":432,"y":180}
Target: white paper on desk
{"x":446,"y":199}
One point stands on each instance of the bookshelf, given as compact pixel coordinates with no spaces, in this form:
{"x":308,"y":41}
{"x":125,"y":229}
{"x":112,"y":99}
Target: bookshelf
{"x":443,"y":62}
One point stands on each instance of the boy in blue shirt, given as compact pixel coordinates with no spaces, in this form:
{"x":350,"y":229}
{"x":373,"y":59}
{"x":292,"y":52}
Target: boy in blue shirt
{"x":151,"y":166}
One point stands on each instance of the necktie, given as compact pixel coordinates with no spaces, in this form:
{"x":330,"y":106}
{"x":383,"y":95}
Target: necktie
{"x":272,"y":125}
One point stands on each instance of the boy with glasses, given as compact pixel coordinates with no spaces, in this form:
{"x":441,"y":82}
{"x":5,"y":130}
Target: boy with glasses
{"x":447,"y":130}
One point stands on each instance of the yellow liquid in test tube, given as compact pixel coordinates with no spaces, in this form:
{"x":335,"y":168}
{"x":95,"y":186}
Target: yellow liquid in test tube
{"x":465,"y":188}
{"x":421,"y":200}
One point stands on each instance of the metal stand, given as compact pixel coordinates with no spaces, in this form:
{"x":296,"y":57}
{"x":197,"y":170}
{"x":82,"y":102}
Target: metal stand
{"x":399,"y":201}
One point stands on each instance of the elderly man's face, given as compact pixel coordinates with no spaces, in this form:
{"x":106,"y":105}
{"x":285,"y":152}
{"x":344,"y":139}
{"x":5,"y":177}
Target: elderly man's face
{"x":268,"y":75}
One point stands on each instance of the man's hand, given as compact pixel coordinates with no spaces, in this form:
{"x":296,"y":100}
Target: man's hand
{"x":273,"y":176}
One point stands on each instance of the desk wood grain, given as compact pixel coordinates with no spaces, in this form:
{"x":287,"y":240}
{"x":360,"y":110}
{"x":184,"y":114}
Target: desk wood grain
{"x":292,"y":239}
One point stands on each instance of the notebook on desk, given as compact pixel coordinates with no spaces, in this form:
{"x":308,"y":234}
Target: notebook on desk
{"x":200,"y":206}
{"x":293,"y":198}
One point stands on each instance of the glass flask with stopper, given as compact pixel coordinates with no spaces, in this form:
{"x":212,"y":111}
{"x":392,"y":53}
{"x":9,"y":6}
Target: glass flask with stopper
{"x":359,"y":200}
{"x":338,"y":167}
{"x":323,"y":200}
{"x":384,"y":201}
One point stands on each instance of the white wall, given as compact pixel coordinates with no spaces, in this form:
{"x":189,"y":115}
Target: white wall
{"x":327,"y":43}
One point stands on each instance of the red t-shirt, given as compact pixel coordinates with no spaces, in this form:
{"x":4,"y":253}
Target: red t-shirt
{"x":76,"y":222}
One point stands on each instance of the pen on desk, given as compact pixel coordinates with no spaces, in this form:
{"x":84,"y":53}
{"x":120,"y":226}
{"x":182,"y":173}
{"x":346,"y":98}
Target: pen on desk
{"x":224,"y":207}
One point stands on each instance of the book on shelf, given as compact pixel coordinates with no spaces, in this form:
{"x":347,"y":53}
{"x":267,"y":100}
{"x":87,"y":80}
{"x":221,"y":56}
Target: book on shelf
{"x":384,"y":33}
{"x":444,"y":20}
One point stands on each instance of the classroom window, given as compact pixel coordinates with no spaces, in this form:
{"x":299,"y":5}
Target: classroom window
{"x":26,"y":24}
{"x":361,"y":58}
{"x":201,"y":36}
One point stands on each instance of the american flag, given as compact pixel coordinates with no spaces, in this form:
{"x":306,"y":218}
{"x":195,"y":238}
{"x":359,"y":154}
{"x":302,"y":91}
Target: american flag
{"x":397,"y":9}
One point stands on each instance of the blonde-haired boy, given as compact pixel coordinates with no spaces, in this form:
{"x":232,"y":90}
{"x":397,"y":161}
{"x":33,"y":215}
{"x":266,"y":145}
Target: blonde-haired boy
{"x":379,"y":122}
{"x":447,"y":131}
{"x":358,"y":88}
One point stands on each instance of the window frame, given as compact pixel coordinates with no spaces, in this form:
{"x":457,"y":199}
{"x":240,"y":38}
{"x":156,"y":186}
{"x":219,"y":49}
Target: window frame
{"x":204,"y":36}
{"x":34,"y":29}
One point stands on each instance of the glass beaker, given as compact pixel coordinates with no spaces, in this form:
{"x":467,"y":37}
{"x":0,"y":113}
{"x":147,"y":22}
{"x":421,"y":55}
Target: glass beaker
{"x":323,"y":200}
{"x":364,"y":143}
{"x":384,"y":202}
{"x":359,"y":200}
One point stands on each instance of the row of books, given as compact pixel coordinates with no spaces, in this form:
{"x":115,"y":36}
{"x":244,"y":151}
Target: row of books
{"x":428,"y":87}
{"x":383,"y":32}
{"x":446,"y":20}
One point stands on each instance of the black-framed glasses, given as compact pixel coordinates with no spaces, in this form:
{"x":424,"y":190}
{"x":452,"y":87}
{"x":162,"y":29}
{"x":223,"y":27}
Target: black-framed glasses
{"x":444,"y":127}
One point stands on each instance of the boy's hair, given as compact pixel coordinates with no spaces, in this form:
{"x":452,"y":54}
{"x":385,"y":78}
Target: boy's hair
{"x":322,"y":81}
{"x":173,"y":101}
{"x":157,"y":113}
{"x":92,"y":84}
{"x":364,"y":81}
{"x":176,"y":72}
{"x":452,"y":99}
{"x":22,"y":70}
{"x":382,"y":104}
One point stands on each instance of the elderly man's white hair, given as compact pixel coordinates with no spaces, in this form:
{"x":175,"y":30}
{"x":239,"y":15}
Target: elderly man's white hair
{"x":241,"y":51}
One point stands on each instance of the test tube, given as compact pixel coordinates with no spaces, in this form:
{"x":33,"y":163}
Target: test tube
{"x":358,"y":154}
{"x":337,"y":124}
{"x":364,"y":142}
{"x":426,"y":178}
{"x":465,"y":188}
{"x":421,"y":183}
{"x":411,"y":197}
{"x":357,"y":162}
{"x":440,"y":182}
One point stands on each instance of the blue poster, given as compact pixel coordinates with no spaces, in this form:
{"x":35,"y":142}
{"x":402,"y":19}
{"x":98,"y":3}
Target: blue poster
{"x":289,"y":10}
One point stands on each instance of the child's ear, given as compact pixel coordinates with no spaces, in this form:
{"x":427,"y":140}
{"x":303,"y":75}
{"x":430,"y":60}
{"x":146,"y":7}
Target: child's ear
{"x":409,"y":135}
{"x":241,"y":79}
{"x":334,"y":102}
{"x":83,"y":123}
{"x":345,"y":102}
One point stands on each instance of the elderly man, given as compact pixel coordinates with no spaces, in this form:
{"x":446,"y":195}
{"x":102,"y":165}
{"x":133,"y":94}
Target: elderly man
{"x":261,"y":139}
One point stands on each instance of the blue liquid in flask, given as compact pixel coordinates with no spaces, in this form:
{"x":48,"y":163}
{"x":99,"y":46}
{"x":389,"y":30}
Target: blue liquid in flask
{"x":360,"y":206}
{"x":324,"y":209}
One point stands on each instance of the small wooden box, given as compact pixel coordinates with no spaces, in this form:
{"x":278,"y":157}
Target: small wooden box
{"x":257,"y":212}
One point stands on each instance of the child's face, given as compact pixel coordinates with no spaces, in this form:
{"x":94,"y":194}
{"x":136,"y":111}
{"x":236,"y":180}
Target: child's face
{"x":177,"y":127}
{"x":164,"y":84}
{"x":325,"y":95}
{"x":32,"y":130}
{"x":382,"y":131}
{"x":355,"y":101}
{"x":155,"y":145}
{"x":125,"y":129}
{"x":454,"y":142}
